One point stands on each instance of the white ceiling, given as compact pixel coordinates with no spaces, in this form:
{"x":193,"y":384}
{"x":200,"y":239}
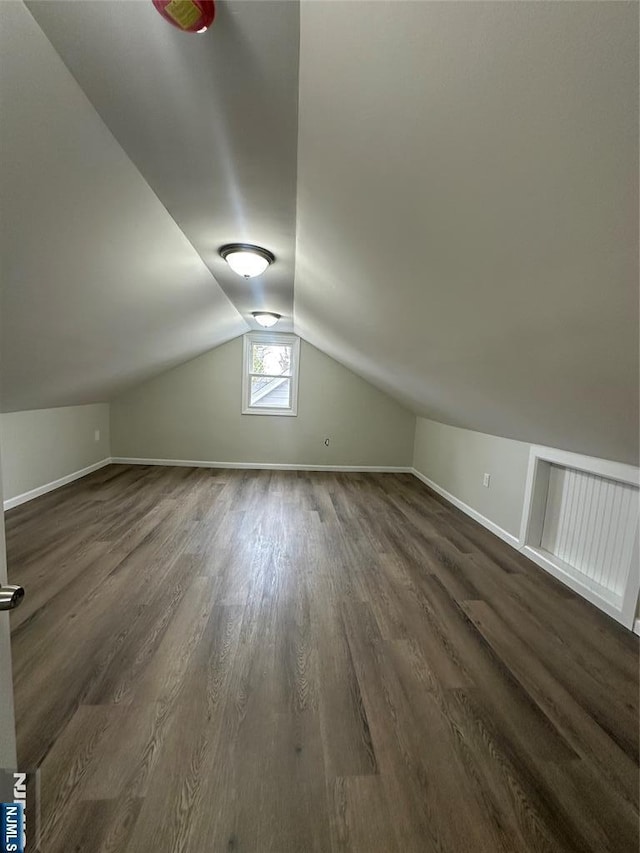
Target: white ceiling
{"x":100,"y":288}
{"x":210,"y":121}
{"x":463,"y":221}
{"x":467,"y":217}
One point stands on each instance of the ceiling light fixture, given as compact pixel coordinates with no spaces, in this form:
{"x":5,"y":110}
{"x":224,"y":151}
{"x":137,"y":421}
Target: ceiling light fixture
{"x":265,"y":318}
{"x":247,"y":260}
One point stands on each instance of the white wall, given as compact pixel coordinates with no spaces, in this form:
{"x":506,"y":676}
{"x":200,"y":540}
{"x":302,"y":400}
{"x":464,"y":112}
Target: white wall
{"x":193,"y":412}
{"x":44,"y":445}
{"x":456,"y":460}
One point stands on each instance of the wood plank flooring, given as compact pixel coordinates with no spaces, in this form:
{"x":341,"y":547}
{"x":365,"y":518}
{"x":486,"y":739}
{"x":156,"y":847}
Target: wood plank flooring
{"x":212,"y":660}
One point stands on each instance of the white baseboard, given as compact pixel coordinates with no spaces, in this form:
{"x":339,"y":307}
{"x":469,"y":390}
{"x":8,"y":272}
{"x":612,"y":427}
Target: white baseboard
{"x":610,"y":608}
{"x":268,"y":466}
{"x":509,"y":538}
{"x":190,"y":463}
{"x":56,"y":484}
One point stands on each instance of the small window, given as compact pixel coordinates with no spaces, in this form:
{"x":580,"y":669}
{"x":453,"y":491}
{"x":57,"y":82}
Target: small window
{"x":270,"y":374}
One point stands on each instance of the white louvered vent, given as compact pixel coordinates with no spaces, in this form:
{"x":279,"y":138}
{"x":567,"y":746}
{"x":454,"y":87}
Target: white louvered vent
{"x":590,"y":523}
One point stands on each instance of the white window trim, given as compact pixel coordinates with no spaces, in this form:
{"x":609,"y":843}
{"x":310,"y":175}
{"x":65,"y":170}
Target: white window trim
{"x":270,"y":338}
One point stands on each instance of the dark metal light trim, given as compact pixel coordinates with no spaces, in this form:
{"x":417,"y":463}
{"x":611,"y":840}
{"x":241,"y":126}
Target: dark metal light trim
{"x":246,"y":247}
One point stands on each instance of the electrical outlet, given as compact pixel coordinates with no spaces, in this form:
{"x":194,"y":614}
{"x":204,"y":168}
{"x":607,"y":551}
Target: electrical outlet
{"x":96,"y":435}
{"x":486,"y":480}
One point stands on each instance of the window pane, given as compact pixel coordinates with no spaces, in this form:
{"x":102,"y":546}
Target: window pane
{"x":274,"y":359}
{"x":270,"y":392}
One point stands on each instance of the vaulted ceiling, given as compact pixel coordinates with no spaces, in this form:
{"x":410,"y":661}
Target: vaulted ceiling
{"x":450,"y":189}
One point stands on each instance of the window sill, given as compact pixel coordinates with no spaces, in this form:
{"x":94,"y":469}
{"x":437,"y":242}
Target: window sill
{"x":279,"y":413}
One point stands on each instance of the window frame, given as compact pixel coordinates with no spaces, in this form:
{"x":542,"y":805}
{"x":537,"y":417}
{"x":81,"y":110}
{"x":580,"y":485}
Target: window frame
{"x":270,"y":338}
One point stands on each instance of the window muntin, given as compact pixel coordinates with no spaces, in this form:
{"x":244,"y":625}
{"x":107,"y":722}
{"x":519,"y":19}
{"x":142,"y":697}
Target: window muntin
{"x":270,"y":374}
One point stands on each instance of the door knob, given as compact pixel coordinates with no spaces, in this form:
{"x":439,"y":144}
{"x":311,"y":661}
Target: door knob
{"x":10,"y":597}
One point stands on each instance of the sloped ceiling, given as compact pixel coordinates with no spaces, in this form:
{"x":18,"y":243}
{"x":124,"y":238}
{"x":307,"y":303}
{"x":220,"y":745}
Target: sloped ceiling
{"x":454,"y":184}
{"x":117,"y":193}
{"x":209,"y":121}
{"x":100,"y":288}
{"x":467,"y":231}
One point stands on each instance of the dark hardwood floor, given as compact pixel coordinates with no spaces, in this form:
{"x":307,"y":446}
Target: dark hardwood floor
{"x":214,"y":660}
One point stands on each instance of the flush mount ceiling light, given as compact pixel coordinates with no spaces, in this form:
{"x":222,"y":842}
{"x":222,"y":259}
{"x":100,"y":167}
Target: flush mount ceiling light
{"x":247,"y":260}
{"x":265,"y":318}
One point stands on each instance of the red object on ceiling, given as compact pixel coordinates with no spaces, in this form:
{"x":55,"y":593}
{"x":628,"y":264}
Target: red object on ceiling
{"x":190,"y":16}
